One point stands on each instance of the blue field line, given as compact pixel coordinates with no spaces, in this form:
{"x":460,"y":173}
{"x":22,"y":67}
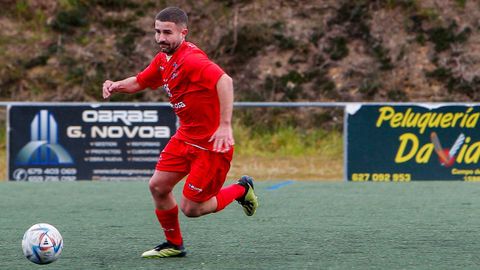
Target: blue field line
{"x":280,"y":185}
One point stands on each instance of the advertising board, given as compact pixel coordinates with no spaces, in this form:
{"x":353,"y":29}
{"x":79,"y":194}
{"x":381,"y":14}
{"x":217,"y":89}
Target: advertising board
{"x":403,"y":142}
{"x":86,"y":142}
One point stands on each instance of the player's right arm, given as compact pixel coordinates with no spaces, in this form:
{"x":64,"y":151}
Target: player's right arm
{"x":129,"y":85}
{"x":150,"y":77}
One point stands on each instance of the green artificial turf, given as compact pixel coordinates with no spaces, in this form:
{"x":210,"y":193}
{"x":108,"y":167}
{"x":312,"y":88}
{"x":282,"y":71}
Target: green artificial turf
{"x":299,"y":225}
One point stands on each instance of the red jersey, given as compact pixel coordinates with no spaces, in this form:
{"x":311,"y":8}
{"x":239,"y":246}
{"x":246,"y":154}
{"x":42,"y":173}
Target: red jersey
{"x":189,"y":78}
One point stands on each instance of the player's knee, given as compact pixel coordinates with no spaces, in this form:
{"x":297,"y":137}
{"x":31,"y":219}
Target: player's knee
{"x":190,"y":211}
{"x":157,"y":189}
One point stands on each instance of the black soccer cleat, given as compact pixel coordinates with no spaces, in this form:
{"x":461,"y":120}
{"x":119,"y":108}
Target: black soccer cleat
{"x":249,"y":200}
{"x":165,"y":250}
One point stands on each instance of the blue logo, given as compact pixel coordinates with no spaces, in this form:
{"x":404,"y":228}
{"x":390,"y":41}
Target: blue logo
{"x":43,"y":148}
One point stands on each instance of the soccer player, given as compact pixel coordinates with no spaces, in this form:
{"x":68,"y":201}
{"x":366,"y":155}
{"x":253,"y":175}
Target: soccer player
{"x":201,"y":95}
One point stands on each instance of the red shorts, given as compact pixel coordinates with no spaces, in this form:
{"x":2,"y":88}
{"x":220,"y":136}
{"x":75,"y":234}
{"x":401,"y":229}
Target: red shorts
{"x":207,"y":170}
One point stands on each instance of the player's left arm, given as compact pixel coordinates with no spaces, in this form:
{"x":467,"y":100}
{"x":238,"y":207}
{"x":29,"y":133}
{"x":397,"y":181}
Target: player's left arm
{"x":223,"y":136}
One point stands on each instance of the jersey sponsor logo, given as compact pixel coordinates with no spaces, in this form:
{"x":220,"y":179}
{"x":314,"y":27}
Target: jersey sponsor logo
{"x":178,"y":105}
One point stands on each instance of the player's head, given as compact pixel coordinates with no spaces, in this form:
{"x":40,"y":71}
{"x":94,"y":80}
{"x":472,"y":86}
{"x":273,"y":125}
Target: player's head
{"x":170,"y":29}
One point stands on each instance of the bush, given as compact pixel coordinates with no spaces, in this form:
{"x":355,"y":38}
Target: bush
{"x":67,"y":20}
{"x":443,"y":37}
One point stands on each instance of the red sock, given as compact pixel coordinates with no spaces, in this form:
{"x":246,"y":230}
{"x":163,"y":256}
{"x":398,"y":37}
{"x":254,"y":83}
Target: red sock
{"x":228,"y":194}
{"x":171,"y":226}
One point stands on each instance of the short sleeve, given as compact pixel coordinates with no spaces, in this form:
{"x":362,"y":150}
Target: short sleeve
{"x":203,"y":71}
{"x":151,"y":76}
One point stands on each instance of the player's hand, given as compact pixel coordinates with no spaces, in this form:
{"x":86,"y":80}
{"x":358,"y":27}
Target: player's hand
{"x":222,"y":139}
{"x":108,"y":88}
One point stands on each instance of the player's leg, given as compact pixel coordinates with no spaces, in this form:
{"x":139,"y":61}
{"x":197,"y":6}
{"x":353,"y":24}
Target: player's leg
{"x":242,"y":191}
{"x":161,"y":186}
{"x":203,"y":192}
{"x":196,"y":209}
{"x":170,"y":169}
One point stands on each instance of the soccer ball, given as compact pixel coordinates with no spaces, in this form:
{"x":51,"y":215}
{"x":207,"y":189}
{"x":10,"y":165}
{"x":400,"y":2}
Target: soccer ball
{"x":42,"y":243}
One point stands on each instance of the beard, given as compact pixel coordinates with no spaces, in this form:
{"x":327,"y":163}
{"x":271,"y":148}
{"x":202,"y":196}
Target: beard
{"x":168,"y":48}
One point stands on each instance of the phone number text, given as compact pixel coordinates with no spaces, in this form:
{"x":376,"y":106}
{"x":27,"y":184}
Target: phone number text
{"x":381,"y":177}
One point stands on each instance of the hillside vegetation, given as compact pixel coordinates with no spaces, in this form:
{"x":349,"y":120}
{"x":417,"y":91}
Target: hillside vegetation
{"x":348,"y":50}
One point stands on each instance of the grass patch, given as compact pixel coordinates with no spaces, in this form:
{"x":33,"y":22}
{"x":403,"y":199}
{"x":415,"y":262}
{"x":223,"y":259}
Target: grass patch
{"x":304,"y":168}
{"x":288,"y":153}
{"x":287,"y":141}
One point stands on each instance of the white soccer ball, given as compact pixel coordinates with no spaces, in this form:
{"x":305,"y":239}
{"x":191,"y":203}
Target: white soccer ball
{"x":42,"y":243}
